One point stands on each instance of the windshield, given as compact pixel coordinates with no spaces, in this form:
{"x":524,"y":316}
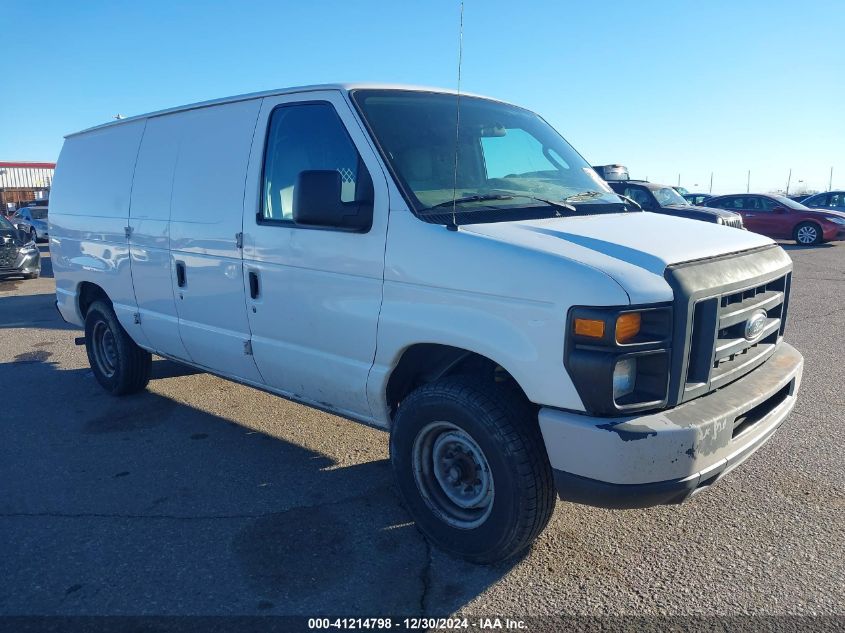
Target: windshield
{"x":666,"y":196}
{"x":791,"y":204}
{"x":38,"y":214}
{"x":507,"y":157}
{"x":5,"y":225}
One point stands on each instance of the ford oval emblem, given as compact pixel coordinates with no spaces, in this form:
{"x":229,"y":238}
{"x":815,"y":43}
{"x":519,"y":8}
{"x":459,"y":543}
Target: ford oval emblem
{"x":755,"y":324}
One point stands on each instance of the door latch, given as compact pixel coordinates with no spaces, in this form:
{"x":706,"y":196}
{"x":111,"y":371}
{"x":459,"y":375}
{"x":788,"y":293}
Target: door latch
{"x":247,"y":348}
{"x":127,"y":230}
{"x":239,"y":240}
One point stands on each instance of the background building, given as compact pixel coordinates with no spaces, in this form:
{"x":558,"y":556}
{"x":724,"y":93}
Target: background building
{"x":21,"y":182}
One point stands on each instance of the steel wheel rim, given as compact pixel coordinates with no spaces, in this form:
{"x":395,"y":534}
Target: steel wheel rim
{"x":104,"y":346}
{"x":807,"y":234}
{"x":453,"y":475}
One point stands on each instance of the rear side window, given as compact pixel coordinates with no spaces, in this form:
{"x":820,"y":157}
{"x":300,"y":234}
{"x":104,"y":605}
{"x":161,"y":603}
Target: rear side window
{"x":305,"y":137}
{"x":732,"y":203}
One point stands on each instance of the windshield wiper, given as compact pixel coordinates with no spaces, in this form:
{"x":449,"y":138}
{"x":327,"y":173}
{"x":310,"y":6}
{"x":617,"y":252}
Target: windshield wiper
{"x":558,"y":204}
{"x":465,"y":199}
{"x":631,"y":200}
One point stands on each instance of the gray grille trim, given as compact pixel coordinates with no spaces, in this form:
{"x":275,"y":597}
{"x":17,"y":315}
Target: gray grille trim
{"x":699,"y":288}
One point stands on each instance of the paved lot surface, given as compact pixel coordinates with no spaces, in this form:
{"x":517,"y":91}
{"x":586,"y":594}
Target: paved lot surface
{"x":201,"y":496}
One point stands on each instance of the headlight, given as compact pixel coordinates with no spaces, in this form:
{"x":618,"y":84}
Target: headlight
{"x":835,"y":220}
{"x":618,"y":358}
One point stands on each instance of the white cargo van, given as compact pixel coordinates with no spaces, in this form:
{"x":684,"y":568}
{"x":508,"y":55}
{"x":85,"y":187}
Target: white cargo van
{"x":466,"y":282}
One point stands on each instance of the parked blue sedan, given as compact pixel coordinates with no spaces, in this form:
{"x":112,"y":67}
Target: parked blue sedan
{"x":828,"y":200}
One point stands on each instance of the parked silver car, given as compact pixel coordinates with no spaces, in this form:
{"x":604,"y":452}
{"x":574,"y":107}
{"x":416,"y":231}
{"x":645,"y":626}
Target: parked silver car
{"x":18,"y":253}
{"x":33,"y":221}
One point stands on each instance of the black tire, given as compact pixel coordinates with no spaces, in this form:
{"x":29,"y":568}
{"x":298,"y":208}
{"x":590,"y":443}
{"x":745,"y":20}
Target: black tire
{"x":504,"y":427}
{"x":806,"y":230}
{"x":119,"y":365}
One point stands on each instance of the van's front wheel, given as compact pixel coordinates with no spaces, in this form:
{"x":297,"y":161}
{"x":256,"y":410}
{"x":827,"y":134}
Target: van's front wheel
{"x":118,"y":364}
{"x":472,"y":467}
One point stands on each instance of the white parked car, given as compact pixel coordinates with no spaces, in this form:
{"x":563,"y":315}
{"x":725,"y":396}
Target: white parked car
{"x":477,"y":290}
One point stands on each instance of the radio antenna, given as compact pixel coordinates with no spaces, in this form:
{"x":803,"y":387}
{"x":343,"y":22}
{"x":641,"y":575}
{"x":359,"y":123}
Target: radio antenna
{"x":454,"y":226}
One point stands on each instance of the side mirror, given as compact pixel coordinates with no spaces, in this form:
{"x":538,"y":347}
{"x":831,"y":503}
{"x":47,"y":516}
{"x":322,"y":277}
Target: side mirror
{"x":317,"y":202}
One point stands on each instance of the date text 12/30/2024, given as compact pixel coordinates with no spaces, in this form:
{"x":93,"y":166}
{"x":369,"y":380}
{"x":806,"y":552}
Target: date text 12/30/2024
{"x":424,"y":624}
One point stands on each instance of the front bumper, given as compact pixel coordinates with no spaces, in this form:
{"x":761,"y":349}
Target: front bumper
{"x":665,"y":457}
{"x":832,"y":232}
{"x":26,"y":264}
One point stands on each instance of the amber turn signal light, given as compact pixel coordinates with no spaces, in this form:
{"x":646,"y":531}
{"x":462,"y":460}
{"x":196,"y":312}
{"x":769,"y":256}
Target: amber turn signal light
{"x":594,"y":328}
{"x":628,"y":326}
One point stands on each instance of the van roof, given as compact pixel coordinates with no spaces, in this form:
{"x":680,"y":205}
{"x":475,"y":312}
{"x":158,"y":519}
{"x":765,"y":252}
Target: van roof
{"x":344,"y":87}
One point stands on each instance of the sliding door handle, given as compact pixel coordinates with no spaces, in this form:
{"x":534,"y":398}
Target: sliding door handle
{"x":254,"y":286}
{"x":181,"y":274}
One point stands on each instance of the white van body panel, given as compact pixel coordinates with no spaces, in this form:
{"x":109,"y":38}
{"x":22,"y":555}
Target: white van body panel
{"x":206,"y":214}
{"x":149,"y":240}
{"x":315,"y":320}
{"x":89,"y":209}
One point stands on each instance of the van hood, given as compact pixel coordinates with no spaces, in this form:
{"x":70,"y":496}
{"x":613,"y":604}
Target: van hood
{"x":633,"y":248}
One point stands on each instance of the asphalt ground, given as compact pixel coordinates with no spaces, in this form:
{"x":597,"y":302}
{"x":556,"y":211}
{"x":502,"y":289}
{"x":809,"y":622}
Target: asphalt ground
{"x":204,"y":497}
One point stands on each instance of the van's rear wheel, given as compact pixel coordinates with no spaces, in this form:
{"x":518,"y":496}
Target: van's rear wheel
{"x":119,"y":365}
{"x":472,"y":467}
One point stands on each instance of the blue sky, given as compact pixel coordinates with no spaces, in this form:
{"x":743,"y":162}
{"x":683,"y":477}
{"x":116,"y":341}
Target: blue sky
{"x":665,"y":87}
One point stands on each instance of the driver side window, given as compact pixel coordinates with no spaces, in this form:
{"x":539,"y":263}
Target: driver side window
{"x":304,"y":137}
{"x":768,"y":204}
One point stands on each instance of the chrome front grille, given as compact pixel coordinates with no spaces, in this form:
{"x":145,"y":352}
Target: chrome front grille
{"x":723,"y":349}
{"x":8,"y":255}
{"x":732,"y":222}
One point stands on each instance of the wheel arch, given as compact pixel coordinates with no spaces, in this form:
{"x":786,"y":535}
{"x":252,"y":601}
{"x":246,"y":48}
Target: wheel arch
{"x":422,"y":363}
{"x":87,"y":293}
